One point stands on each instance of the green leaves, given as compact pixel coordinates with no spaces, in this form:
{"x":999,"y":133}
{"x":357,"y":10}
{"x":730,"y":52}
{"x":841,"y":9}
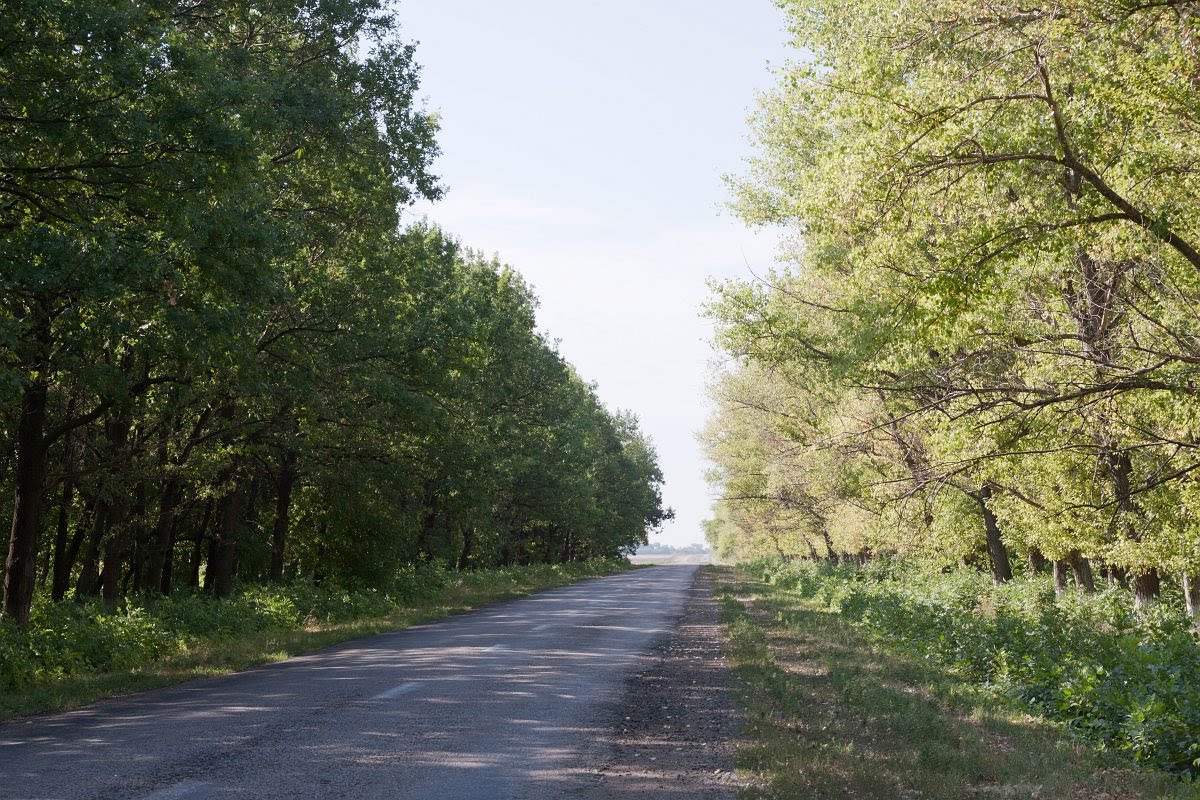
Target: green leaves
{"x":991,"y":279}
{"x":206,"y":280}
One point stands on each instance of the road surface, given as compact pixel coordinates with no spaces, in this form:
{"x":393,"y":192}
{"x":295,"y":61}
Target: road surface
{"x":511,"y":701}
{"x":672,"y":558}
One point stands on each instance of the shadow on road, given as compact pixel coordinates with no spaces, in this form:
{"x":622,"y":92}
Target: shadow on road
{"x":514,"y":700}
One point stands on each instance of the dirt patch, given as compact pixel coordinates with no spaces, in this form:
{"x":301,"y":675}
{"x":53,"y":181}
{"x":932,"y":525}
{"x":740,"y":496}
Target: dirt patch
{"x":675,"y":733}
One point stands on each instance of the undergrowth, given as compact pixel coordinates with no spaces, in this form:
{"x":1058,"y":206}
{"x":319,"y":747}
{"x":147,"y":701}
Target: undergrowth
{"x":1126,"y":681}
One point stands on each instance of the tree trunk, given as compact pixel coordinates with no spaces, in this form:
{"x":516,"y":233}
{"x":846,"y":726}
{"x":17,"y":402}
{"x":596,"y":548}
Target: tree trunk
{"x":158,"y":567}
{"x":198,"y":547}
{"x":1120,"y":466}
{"x":85,"y":524}
{"x":1120,"y":470}
{"x":425,"y":535}
{"x":1119,"y":576}
{"x":1145,"y":588}
{"x":1060,"y":578}
{"x":111,"y":572}
{"x":319,"y":567}
{"x":1191,"y":596}
{"x":229,"y":520}
{"x":566,"y":548}
{"x":116,"y":548}
{"x":89,"y":580}
{"x":774,"y":537}
{"x":1036,"y":561}
{"x":62,"y":544}
{"x":30,"y":477}
{"x":812,"y":549}
{"x":137,"y":540}
{"x":829,"y":554}
{"x":43,"y":569}
{"x":168,"y":567}
{"x":464,"y":556}
{"x":997,"y":552}
{"x":283,"y":506}
{"x":1082,"y":571}
{"x":250,"y":498}
{"x":116,"y":545}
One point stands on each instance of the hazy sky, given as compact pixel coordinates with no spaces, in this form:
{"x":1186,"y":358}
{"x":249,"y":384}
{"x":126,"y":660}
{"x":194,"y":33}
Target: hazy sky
{"x":584,"y":143}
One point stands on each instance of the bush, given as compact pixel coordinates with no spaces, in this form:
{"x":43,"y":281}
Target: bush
{"x":1127,"y":682}
{"x":64,"y":640}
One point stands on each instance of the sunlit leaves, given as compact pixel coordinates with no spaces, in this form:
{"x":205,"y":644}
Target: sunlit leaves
{"x":995,"y":211}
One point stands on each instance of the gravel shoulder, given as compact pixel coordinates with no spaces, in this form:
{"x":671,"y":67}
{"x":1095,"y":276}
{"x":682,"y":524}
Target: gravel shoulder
{"x":676,"y":730}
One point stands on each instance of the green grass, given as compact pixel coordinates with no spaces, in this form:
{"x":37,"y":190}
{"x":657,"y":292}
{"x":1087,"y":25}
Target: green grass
{"x":837,"y":712}
{"x":218,"y":655}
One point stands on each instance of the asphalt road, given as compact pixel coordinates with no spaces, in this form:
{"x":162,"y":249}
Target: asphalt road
{"x":511,"y":701}
{"x":673,"y":558}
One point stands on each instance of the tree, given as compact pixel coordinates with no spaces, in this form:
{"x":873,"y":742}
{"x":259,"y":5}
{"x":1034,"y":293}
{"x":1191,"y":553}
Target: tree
{"x":996,"y":206}
{"x":157,"y":162}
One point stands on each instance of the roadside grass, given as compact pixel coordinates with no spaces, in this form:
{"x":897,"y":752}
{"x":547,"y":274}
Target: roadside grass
{"x":834,"y":712}
{"x":231,"y":653}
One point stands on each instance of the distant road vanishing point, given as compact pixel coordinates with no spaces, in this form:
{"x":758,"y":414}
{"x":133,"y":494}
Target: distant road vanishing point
{"x":510,"y":701}
{"x":673,"y":558}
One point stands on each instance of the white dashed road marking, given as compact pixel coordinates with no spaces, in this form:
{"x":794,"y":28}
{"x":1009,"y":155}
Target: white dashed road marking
{"x":396,"y":691}
{"x":192,"y":790}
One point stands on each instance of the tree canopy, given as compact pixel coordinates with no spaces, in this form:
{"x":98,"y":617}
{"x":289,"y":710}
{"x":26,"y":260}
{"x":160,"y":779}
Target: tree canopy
{"x":224,"y":358}
{"x":983,"y":338}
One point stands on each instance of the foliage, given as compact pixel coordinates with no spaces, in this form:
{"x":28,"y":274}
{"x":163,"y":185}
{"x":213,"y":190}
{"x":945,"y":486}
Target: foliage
{"x":980,"y":341}
{"x":978,"y":349}
{"x":1127,"y":681}
{"x":227,"y":360}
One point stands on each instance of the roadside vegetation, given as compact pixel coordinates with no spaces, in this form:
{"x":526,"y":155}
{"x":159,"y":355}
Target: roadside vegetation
{"x":73,"y":654}
{"x":1129,"y":683}
{"x":982,"y":345}
{"x":972,"y":380}
{"x":840,"y":704}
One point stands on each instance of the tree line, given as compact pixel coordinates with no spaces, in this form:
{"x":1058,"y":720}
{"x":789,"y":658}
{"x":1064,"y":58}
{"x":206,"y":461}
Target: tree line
{"x":982,"y":344}
{"x":660,"y":549}
{"x":222,"y":356}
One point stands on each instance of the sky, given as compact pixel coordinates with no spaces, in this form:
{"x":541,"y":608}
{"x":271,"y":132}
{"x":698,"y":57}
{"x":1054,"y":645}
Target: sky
{"x":584,"y":143}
